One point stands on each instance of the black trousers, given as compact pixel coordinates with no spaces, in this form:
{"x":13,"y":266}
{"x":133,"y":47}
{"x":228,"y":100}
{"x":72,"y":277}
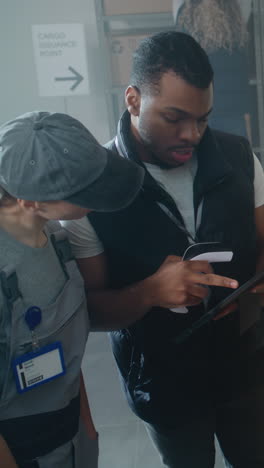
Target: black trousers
{"x":237,"y":424}
{"x":31,"y":464}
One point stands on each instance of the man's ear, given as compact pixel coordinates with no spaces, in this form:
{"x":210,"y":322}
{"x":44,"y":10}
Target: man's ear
{"x":133,"y":100}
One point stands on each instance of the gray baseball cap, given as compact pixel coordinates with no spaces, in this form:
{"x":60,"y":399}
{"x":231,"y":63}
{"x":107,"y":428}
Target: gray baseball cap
{"x":51,"y":156}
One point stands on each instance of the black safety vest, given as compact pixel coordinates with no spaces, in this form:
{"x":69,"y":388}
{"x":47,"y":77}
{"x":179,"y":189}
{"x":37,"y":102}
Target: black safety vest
{"x":138,"y":239}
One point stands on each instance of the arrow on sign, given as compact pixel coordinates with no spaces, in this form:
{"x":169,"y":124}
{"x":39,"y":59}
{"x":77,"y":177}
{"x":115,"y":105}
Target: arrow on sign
{"x":77,"y":78}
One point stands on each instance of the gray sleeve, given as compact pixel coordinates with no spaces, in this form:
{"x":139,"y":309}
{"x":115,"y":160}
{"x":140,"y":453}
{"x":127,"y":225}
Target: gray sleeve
{"x":83,"y":238}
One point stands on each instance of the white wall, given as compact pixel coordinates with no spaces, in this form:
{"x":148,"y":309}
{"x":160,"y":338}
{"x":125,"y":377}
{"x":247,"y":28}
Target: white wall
{"x":18,"y":79}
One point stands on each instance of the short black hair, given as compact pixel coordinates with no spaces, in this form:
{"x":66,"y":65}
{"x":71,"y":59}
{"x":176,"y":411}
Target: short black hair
{"x":170,"y":51}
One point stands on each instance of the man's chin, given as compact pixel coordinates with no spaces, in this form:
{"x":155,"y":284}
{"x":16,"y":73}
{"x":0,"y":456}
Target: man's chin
{"x":170,"y":160}
{"x":168,"y":165}
{"x":181,"y":157}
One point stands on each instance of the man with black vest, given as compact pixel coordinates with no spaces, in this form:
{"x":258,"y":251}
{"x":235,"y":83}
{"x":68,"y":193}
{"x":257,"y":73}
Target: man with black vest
{"x":200,"y":185}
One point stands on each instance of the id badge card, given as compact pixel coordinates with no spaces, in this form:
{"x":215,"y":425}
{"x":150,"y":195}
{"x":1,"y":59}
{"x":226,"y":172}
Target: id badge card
{"x":39,"y":367}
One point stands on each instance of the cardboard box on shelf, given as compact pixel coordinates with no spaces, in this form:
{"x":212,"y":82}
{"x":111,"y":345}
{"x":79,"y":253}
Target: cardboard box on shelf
{"x":128,"y":7}
{"x":122,"y":48}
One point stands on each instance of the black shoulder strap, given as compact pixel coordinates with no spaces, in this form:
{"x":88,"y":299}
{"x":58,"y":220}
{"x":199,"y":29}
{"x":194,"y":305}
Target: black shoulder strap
{"x":62,"y":248}
{"x":9,"y":286}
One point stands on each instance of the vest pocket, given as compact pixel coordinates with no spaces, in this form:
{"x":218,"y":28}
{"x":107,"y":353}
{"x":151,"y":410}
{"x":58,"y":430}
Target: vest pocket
{"x":65,"y":320}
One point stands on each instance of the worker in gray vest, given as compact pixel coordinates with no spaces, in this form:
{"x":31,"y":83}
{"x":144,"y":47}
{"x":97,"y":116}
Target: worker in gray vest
{"x":51,"y":167}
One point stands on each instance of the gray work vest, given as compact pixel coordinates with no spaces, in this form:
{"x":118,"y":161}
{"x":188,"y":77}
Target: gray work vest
{"x":41,"y":426}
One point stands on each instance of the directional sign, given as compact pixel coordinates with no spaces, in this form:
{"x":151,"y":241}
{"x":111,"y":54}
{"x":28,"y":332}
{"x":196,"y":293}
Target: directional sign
{"x":76,"y":77}
{"x":60,"y":57}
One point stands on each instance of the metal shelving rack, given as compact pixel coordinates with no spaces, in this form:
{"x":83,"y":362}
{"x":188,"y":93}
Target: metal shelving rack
{"x":117,"y":25}
{"x":147,"y":23}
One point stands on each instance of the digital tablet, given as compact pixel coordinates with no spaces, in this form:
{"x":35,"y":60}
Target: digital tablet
{"x":247,"y":286}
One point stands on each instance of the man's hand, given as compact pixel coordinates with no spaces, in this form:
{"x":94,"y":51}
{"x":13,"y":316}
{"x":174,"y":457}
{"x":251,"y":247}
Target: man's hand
{"x":258,"y":289}
{"x":227,"y":310}
{"x":176,"y":283}
{"x":181,"y":283}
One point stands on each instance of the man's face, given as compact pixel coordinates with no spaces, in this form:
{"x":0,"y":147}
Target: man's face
{"x":169,"y":125}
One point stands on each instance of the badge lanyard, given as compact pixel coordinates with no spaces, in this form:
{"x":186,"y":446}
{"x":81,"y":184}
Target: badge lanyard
{"x":33,"y":317}
{"x":43,"y":363}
